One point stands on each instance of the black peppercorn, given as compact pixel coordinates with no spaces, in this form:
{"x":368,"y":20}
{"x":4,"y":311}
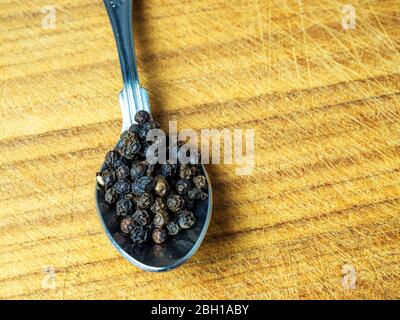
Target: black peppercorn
{"x":197,"y":194}
{"x":109,"y":159}
{"x":108,"y":178}
{"x":122,"y":172}
{"x":128,"y":145}
{"x":130,"y":150}
{"x":144,"y":201}
{"x":203,"y":196}
{"x":142,"y":116}
{"x":183,"y":186}
{"x":143,"y":131}
{"x":185,"y":172}
{"x":128,"y":137}
{"x":146,"y":127}
{"x":135,"y":128}
{"x":142,"y":217}
{"x":200,"y":182}
{"x":168,"y":170}
{"x":186,"y":219}
{"x":138,"y":170}
{"x":127,"y":225}
{"x":158,"y":205}
{"x":113,"y":159}
{"x":161,"y":186}
{"x":173,"y":228}
{"x":124,"y":207}
{"x":175,"y":203}
{"x":143,"y":184}
{"x":122,"y":186}
{"x":194,"y":194}
{"x":111,"y":196}
{"x":129,"y":196}
{"x":161,"y":219}
{"x":159,"y":235}
{"x":139,"y":235}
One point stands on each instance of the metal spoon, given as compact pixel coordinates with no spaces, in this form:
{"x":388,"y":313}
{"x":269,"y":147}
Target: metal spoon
{"x":178,"y":249}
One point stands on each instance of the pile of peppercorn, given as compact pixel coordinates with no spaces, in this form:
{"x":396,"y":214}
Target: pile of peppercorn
{"x":151,"y":201}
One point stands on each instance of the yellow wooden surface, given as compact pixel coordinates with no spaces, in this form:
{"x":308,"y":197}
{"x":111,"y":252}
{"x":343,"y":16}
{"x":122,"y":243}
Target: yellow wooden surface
{"x":324,"y":103}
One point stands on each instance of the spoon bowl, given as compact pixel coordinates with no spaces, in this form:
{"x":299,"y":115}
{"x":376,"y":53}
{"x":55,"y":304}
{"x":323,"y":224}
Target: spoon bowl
{"x":157,"y":257}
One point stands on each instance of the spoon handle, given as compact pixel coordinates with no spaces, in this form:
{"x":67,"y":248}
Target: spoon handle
{"x":132,"y":98}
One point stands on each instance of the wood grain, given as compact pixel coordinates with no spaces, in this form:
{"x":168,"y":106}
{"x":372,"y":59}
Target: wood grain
{"x":324,"y":104}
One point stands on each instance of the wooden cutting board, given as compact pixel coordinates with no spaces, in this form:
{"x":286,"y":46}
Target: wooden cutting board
{"x":317,"y":218}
